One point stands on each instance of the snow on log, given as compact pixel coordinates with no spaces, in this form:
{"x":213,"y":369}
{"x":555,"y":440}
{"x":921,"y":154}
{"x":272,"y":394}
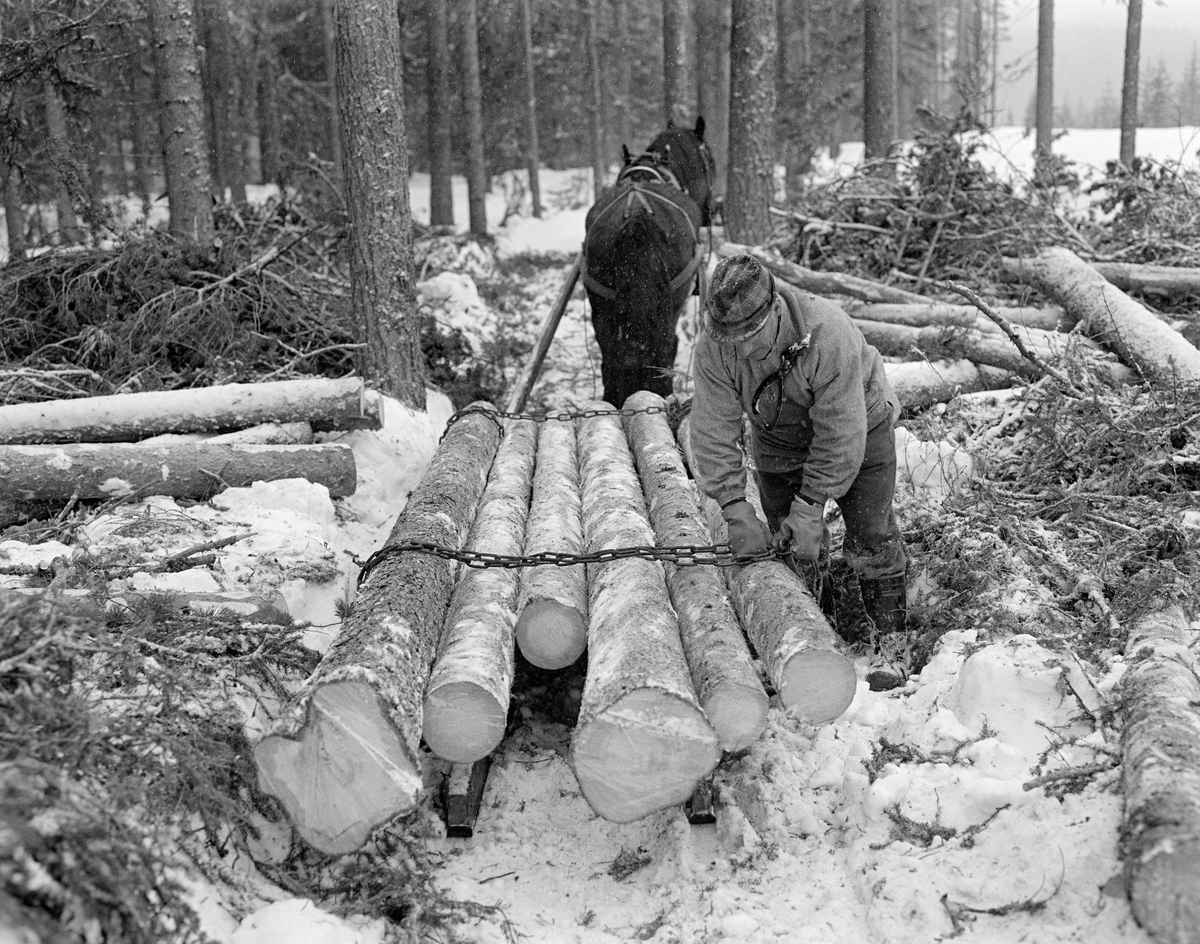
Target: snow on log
{"x":343,"y":758}
{"x":641,"y":742}
{"x":1161,"y":748}
{"x":918,"y":384}
{"x":963,"y":316}
{"x":784,"y":624}
{"x":1150,"y":279}
{"x":466,"y":699}
{"x":723,"y":672}
{"x":552,"y":601}
{"x":191,"y":470}
{"x":1110,"y":316}
{"x":127,"y":417}
{"x":825,"y":283}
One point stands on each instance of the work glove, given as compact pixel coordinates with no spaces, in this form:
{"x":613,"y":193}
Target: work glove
{"x":802,"y":531}
{"x":747,"y":533}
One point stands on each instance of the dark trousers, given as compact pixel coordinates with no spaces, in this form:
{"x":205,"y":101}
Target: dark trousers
{"x":872,"y":546}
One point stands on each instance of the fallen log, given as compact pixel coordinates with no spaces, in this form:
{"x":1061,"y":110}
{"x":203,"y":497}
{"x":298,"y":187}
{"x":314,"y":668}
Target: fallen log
{"x":919,"y":384}
{"x":641,"y":742}
{"x":188,"y":470}
{"x":1161,"y":752}
{"x":798,"y":648}
{"x":825,"y":283}
{"x":1110,"y":316}
{"x":467,"y":696}
{"x":343,"y":758}
{"x":324,"y":404}
{"x":1150,"y":279}
{"x":965,"y":316}
{"x":552,"y":601}
{"x":723,"y":672}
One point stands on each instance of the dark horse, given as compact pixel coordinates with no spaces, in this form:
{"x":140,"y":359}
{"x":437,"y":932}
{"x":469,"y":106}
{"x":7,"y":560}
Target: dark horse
{"x":641,"y":258}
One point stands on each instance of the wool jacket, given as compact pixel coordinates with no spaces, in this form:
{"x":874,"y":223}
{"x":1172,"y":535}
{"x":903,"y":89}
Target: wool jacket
{"x":834,"y":394}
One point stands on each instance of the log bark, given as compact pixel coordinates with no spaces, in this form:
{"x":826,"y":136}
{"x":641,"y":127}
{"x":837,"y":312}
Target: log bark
{"x":641,"y":742}
{"x":784,"y":624}
{"x":325,"y":404}
{"x":826,"y":283}
{"x":466,"y":699}
{"x":344,"y":756}
{"x":188,"y":470}
{"x":552,"y":624}
{"x":919,"y":384}
{"x":1110,"y":316}
{"x":1165,"y":281}
{"x":722,"y":668}
{"x":1161,"y":750}
{"x":967,"y":316}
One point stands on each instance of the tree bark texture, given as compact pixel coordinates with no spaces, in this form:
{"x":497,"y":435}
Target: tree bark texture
{"x":552,"y":602}
{"x":1044,"y":103}
{"x":441,"y":157}
{"x":919,"y":384}
{"x":825,"y":283}
{"x":965,"y":316}
{"x":14,"y":215}
{"x":713,"y":82}
{"x":1160,"y":838}
{"x":622,"y":70}
{"x":532,"y":152}
{"x":325,"y":404}
{"x":1110,"y":316}
{"x":641,"y":742}
{"x":727,"y":684}
{"x":270,"y":146}
{"x":181,"y":105}
{"x":591,"y":29}
{"x":473,"y":108}
{"x":371,"y":106}
{"x":329,"y":33}
{"x":1129,"y":83}
{"x":60,"y":140}
{"x":679,"y":63}
{"x":751,"y":177}
{"x":90,"y":471}
{"x":466,"y":699}
{"x":344,"y":757}
{"x":877,"y":79}
{"x":223,"y":94}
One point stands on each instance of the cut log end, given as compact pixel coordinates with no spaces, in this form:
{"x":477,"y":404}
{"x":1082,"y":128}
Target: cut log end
{"x":347,"y":773}
{"x":551,"y":635}
{"x":1164,"y":896}
{"x":646,"y":752}
{"x":817,"y":686}
{"x":738,"y":713}
{"x":462,"y":722}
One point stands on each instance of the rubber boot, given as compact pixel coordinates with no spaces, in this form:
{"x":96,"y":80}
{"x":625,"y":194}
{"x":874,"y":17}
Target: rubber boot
{"x":885,"y":601}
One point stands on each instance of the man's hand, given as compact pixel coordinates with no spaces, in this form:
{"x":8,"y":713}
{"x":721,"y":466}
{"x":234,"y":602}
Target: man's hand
{"x":802,"y":530}
{"x":747,"y":533}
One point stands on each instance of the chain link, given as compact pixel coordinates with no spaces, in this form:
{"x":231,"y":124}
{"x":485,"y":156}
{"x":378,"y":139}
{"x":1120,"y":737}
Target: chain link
{"x":683,"y":555}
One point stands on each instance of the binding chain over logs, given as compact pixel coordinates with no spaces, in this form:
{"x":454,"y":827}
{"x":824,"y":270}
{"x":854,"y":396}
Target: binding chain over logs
{"x":683,"y":555}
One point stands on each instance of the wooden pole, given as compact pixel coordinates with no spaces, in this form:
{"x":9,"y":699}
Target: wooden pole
{"x":520,"y":393}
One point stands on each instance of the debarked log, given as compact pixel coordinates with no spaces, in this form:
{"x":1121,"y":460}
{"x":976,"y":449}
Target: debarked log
{"x":467,"y":696}
{"x":641,"y":742}
{"x":325,"y":404}
{"x":344,"y":756}
{"x":552,"y":601}
{"x":723,"y":671}
{"x":918,"y":384}
{"x":185,"y":470}
{"x":1160,"y":743}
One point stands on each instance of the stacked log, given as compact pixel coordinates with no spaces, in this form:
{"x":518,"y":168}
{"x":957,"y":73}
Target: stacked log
{"x":467,"y":696}
{"x":723,"y":672}
{"x":961,"y":316}
{"x":919,"y":384}
{"x":552,"y":601}
{"x":641,"y":742}
{"x":344,"y":757}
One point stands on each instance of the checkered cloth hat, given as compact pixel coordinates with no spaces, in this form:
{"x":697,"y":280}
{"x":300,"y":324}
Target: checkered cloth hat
{"x":739,"y":298}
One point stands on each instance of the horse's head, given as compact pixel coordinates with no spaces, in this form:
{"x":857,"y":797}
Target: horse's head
{"x":683,"y":154}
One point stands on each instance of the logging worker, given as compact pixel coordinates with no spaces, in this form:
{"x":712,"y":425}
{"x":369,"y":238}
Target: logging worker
{"x":821,"y":414}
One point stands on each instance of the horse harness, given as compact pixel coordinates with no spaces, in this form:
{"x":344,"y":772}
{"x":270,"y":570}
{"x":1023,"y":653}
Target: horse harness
{"x":636,"y":195}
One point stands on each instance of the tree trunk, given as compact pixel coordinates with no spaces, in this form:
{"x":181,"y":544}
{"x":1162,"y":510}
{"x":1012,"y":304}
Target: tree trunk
{"x":641,"y":742}
{"x":345,"y":755}
{"x":966,"y":316}
{"x":1110,"y":316}
{"x":623,"y":56}
{"x":595,"y":98}
{"x":326,"y":404}
{"x":878,"y":92}
{"x":919,"y":384}
{"x":552,"y":604}
{"x":1161,"y":752}
{"x":751,"y":179}
{"x":14,"y":214}
{"x":441,"y":156}
{"x":679,"y":63}
{"x":532,"y":154}
{"x":466,"y":699}
{"x":825,"y":283}
{"x":329,"y":30}
{"x":371,"y":105}
{"x":145,"y":131}
{"x":89,"y":471}
{"x":60,"y":141}
{"x":1129,"y":82}
{"x":473,"y":103}
{"x":1044,"y":109}
{"x":713,"y":81}
{"x":181,"y":111}
{"x":1167,"y":281}
{"x":223,"y":93}
{"x":723,"y":672}
{"x":270,"y":146}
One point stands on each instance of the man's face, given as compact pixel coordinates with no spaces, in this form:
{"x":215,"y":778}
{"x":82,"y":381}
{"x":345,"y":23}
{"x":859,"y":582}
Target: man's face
{"x":760,"y":343}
